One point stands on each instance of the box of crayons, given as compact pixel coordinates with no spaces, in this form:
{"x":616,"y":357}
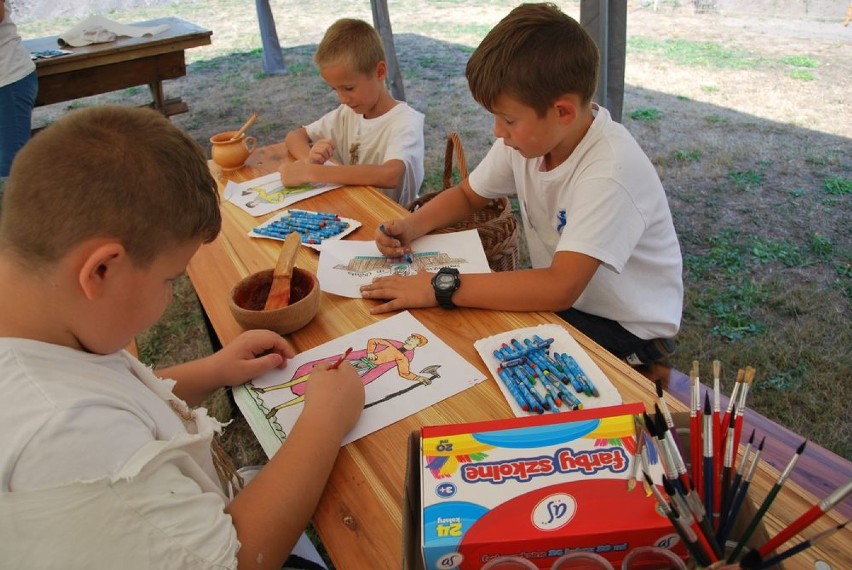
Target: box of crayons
{"x":538,"y":487}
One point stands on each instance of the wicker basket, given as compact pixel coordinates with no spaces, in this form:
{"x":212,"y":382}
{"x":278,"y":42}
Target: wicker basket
{"x":496,"y":223}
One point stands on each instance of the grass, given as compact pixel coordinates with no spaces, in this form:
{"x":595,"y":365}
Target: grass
{"x":751,"y":158}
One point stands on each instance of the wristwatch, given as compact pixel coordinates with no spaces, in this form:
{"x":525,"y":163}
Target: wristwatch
{"x":445,"y":283}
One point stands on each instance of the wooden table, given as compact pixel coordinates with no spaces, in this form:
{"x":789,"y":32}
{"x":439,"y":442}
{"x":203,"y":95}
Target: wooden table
{"x":360,"y":516}
{"x":125,"y":62}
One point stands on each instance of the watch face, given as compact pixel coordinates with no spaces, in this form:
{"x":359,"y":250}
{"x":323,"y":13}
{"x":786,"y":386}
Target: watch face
{"x":444,"y":281}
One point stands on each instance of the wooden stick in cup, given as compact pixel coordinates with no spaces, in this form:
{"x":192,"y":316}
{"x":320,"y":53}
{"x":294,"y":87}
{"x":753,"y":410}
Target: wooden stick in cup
{"x":245,"y":127}
{"x":279,"y":294}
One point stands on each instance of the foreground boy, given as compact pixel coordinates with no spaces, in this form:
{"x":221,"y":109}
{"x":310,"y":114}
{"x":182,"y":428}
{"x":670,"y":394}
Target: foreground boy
{"x":603,"y":248}
{"x":375,"y":139}
{"x":104,"y":463}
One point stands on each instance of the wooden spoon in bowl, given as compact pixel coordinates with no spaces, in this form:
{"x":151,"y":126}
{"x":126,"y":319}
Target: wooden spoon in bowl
{"x":245,"y":127}
{"x":279,"y":294}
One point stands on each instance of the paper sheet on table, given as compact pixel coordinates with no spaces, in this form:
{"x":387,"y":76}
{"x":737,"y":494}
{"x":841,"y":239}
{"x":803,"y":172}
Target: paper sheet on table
{"x":267,"y":194}
{"x":346,"y":265}
{"x":383,"y":353}
{"x":563,"y":342}
{"x":97,"y":29}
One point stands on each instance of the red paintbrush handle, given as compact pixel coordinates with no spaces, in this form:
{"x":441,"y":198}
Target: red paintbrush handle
{"x":792,"y":530}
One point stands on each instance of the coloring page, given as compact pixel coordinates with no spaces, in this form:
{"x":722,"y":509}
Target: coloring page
{"x":519,"y":358}
{"x":346,"y":265}
{"x":267,"y":194}
{"x":405,"y":368}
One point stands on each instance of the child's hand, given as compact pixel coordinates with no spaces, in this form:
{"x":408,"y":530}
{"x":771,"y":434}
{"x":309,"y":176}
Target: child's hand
{"x":391,"y":238}
{"x":337,"y":394}
{"x":402,"y":292}
{"x":321,"y":151}
{"x":294,"y":173}
{"x":251,"y":354}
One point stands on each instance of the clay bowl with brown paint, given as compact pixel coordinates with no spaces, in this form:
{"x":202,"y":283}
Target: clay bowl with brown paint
{"x":248,"y":297}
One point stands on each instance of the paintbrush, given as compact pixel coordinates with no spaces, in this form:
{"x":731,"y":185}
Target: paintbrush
{"x":279,"y":293}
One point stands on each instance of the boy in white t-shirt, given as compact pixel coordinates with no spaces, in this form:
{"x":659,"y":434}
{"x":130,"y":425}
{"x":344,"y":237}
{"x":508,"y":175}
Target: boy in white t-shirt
{"x":104,"y":463}
{"x":603,"y":247}
{"x":374,"y":139}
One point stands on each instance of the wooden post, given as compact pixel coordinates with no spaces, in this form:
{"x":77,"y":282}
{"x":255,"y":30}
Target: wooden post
{"x":381,"y":21}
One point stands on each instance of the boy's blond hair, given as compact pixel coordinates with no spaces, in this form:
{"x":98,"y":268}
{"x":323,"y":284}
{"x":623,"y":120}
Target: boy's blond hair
{"x":109,"y":171}
{"x":352,"y":42}
{"x":535,"y":55}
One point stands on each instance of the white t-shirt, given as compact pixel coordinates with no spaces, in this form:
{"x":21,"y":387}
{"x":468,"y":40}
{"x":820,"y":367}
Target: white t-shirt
{"x":396,"y":135}
{"x":98,"y":471}
{"x":605,"y":201}
{"x":15,"y":60}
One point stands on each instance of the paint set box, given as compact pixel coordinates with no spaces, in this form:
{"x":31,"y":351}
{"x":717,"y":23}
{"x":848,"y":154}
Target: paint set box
{"x":537,"y":487}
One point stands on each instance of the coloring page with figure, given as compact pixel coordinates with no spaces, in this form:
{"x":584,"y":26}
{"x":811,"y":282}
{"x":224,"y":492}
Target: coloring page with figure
{"x":267,"y":194}
{"x":346,"y":265}
{"x":404,"y":366}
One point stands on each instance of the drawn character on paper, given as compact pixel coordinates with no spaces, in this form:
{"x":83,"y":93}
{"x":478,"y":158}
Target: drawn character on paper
{"x":381,"y":265}
{"x":380,"y":356}
{"x":273,"y":193}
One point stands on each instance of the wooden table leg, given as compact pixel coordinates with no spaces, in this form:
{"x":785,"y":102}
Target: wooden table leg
{"x":157,"y":94}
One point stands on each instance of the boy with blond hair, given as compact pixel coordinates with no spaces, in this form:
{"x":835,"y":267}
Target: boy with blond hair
{"x":602,"y":244}
{"x":104,"y":463}
{"x":374,"y":139}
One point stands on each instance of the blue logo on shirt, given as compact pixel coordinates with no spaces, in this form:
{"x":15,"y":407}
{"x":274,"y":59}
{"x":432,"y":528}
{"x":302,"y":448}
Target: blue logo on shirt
{"x":560,"y":220}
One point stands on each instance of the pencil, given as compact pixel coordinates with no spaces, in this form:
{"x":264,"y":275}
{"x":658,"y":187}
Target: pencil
{"x":767,"y":502}
{"x":341,"y":359}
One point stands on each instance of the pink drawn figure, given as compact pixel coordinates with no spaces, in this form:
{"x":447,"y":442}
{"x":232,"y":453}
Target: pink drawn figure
{"x":380,"y":356}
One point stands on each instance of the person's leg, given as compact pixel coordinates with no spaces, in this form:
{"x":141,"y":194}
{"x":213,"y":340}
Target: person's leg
{"x":618,"y":340}
{"x":16,"y":104}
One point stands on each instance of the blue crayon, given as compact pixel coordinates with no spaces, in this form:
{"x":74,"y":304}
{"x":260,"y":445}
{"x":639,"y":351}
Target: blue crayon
{"x":527,"y":385}
{"x":518,"y":390}
{"x":509,"y":351}
{"x":552,"y":390}
{"x":530,"y":372}
{"x":542,"y":343}
{"x":576,"y":383}
{"x":572,"y":364}
{"x":546,"y":363}
{"x":510,"y":385}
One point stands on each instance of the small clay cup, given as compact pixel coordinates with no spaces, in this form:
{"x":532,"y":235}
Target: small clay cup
{"x":248,"y":297}
{"x":228,"y":154}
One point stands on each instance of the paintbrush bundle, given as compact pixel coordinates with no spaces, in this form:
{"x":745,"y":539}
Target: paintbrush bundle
{"x":706,"y":498}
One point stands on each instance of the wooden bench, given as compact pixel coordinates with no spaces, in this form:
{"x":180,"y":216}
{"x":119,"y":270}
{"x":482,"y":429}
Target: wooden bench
{"x":125,"y":62}
{"x":818,"y":470}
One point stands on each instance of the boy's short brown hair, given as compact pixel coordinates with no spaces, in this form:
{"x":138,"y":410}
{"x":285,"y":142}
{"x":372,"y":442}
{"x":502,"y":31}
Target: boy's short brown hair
{"x":535,"y":55}
{"x":351,"y":41}
{"x":108,"y":171}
